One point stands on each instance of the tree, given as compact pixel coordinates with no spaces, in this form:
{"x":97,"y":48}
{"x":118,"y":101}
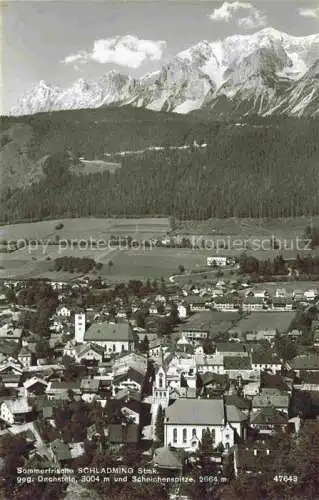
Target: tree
{"x":42,"y":348}
{"x":159,"y":425}
{"x":144,"y":345}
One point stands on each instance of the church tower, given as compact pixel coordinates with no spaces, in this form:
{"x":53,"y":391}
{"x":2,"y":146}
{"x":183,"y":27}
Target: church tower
{"x":160,"y":388}
{"x":79,"y":327}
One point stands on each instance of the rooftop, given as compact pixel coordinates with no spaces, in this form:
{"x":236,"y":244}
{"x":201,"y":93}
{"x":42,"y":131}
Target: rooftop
{"x":107,"y":331}
{"x":201,"y":412}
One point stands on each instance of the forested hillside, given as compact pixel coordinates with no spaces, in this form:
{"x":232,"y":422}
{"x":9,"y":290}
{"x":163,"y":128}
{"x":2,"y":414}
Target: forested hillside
{"x":261,"y":168}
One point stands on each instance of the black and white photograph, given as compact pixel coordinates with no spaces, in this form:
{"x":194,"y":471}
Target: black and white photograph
{"x":159,"y":250}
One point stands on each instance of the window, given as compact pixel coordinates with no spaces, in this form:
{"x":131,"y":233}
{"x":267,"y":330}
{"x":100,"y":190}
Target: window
{"x":175,"y":436}
{"x":114,"y":347}
{"x":184,"y":435}
{"x":123,"y":347}
{"x":160,"y":379}
{"x":194,"y":433}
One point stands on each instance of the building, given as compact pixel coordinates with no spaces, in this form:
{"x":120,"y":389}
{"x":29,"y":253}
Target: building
{"x":63,"y":312}
{"x":160,"y":394}
{"x":251,"y":304}
{"x":25,"y":357}
{"x":115,"y":338}
{"x":79,"y":327}
{"x":265,"y":361}
{"x":16,"y":411}
{"x":218,"y":260}
{"x":231,"y":349}
{"x":227,"y":304}
{"x":187,"y":420}
{"x":196,"y":304}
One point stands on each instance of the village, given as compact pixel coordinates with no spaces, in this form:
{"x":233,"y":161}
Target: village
{"x":155,"y":379}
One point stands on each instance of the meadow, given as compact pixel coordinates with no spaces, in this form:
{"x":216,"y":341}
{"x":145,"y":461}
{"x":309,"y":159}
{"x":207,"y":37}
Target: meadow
{"x":36,"y":256}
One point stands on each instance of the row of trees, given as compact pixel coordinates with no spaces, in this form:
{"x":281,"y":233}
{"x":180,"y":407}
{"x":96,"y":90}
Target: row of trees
{"x":76,"y":264}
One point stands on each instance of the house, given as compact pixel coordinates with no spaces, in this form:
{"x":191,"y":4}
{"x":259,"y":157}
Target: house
{"x":263,"y":360}
{"x":218,"y":260}
{"x":239,"y":368}
{"x":298,"y":294}
{"x":231,"y":349}
{"x":11,"y":380}
{"x":269,"y":420}
{"x":35,"y":386}
{"x":9,"y":332}
{"x":227,"y":303}
{"x":185,"y":423}
{"x":255,"y":458}
{"x":242,"y":404}
{"x":156,"y":348}
{"x":316,"y":339}
{"x":90,"y":388}
{"x":131,"y":379}
{"x":132,"y":410}
{"x":278,"y":400}
{"x":115,"y":338}
{"x":61,"y":451}
{"x":209,"y":363}
{"x":184,"y":344}
{"x":238,"y":420}
{"x":89,"y":352}
{"x":311,"y":294}
{"x":282,"y":304}
{"x":63,"y":312}
{"x":304,"y":362}
{"x":25,"y":357}
{"x":251,"y":304}
{"x":63,"y":390}
{"x":280,"y":293}
{"x":183,"y":311}
{"x":17,"y":411}
{"x":266,"y":334}
{"x":196,"y":304}
{"x":251,"y":389}
{"x":123,"y":433}
{"x":168,"y":459}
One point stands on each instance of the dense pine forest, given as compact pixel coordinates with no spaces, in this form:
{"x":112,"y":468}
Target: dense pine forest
{"x":261,"y":167}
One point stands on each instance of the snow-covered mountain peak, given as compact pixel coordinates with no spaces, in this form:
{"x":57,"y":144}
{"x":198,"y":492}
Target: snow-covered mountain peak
{"x":254,"y":72}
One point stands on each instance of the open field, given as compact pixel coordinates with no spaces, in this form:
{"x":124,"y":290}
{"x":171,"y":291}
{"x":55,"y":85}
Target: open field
{"x":139,"y":263}
{"x":86,"y":228}
{"x":128,"y":264}
{"x":250,"y":228}
{"x":258,"y":321}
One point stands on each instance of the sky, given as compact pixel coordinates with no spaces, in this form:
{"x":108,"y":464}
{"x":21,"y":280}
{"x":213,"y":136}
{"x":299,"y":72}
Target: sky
{"x":59,"y":42}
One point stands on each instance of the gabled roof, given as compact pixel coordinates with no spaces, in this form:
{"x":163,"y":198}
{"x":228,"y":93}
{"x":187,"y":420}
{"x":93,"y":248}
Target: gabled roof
{"x":234,"y":414}
{"x":81,"y":349}
{"x":132,"y":374}
{"x":305,"y":362}
{"x":168,"y":459}
{"x":237,"y":363}
{"x":123,"y":433}
{"x":269,"y":415}
{"x":238,"y":401}
{"x":199,"y":412}
{"x":276,"y":400}
{"x":106,"y":331}
{"x":264,"y":357}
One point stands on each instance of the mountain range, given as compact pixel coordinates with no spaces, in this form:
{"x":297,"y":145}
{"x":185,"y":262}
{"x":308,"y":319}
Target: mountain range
{"x":265,"y":73}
